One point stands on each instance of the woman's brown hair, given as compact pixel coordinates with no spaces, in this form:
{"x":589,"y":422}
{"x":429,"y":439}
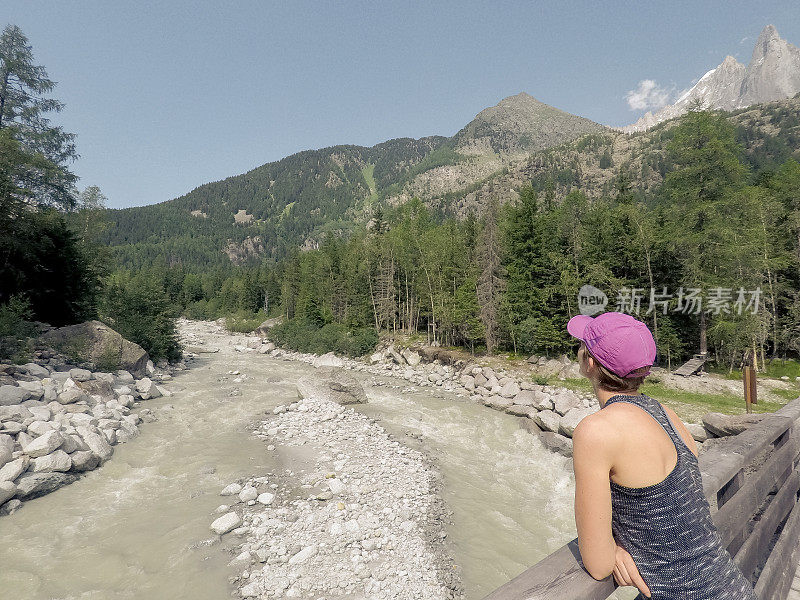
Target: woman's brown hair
{"x":613,"y":382}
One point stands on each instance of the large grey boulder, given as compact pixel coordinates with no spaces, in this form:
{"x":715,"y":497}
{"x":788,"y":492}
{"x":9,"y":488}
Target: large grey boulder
{"x":510,"y":389}
{"x":44,"y":444}
{"x":333,"y":384}
{"x":411,"y":357}
{"x":33,"y":485}
{"x":329,"y":359}
{"x":521,"y":411}
{"x":698,"y":432}
{"x":84,"y":460}
{"x":97,"y":442}
{"x":57,"y":461}
{"x":547,"y":420}
{"x":497,"y":402}
{"x":15,"y":412}
{"x":12,"y":394}
{"x":226,"y":523}
{"x":7,"y":491}
{"x":564,"y":401}
{"x":36,"y":370}
{"x":15,"y":468}
{"x":723,"y":425}
{"x":99,"y":344}
{"x":570,"y":420}
{"x":556,"y":443}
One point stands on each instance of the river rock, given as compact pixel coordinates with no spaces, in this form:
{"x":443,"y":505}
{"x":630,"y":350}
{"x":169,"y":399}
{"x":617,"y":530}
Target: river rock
{"x":248,"y":493}
{"x":57,"y":461}
{"x":36,"y":370}
{"x":40,"y":413}
{"x":5,"y":455}
{"x":266,"y":498}
{"x":231,"y":489}
{"x":497,"y":402}
{"x":44,"y":444}
{"x":698,"y":432}
{"x":329,"y":359}
{"x":547,"y":420}
{"x":97,"y":442}
{"x":33,"y":485}
{"x":468,"y":382}
{"x":12,"y":394}
{"x":80,"y":374}
{"x":7,"y":491}
{"x":570,"y":420}
{"x":37,"y":428}
{"x":411,"y":357}
{"x":521,"y":411}
{"x":510,"y":389}
{"x":564,"y":401}
{"x":14,"y":412}
{"x":480,"y":380}
{"x":71,"y":395}
{"x":34,"y":387}
{"x":525,"y":398}
{"x":724,"y":425}
{"x":147,"y":388}
{"x":226,"y":523}
{"x":303,"y":555}
{"x":332,"y":383}
{"x":97,"y":343}
{"x":10,"y":471}
{"x":556,"y":443}
{"x":84,"y":460}
{"x":6,"y":441}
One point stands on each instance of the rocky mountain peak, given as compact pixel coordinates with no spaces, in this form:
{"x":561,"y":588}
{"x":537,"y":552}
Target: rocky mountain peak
{"x":520,"y":123}
{"x":772,"y":74}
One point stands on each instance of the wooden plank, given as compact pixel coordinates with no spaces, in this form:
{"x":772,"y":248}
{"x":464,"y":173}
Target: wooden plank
{"x":720,"y":465}
{"x":754,"y":548}
{"x":560,"y":575}
{"x":733,"y":516}
{"x":779,"y":558}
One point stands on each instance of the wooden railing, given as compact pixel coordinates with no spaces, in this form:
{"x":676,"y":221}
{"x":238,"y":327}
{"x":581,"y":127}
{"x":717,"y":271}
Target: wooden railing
{"x":751,"y":483}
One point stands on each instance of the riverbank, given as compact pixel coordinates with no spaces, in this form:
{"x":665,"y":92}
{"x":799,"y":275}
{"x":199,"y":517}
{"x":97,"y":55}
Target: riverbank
{"x":59,"y":421}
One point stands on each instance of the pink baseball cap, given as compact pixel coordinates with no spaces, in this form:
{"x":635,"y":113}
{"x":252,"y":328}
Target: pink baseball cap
{"x":621,"y":343}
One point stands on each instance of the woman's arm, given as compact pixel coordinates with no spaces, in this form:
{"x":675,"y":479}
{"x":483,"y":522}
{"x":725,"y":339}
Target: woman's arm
{"x":592,"y":465}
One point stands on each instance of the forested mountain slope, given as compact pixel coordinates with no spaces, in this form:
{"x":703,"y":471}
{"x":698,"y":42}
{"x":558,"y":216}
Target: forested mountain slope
{"x":296,"y":200}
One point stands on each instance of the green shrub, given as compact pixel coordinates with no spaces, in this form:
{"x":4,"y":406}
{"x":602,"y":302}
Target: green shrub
{"x":15,"y":327}
{"x":333,"y":337}
{"x":244,"y":321}
{"x":139,"y":309}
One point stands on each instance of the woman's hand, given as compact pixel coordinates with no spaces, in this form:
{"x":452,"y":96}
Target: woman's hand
{"x":626,"y":573}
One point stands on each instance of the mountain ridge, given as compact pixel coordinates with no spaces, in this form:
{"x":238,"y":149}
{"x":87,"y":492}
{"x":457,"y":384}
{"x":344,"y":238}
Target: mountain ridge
{"x":773,"y":73}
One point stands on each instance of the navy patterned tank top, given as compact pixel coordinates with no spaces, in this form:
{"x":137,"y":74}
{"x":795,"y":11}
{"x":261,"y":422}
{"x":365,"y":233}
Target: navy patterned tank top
{"x":667,"y":528}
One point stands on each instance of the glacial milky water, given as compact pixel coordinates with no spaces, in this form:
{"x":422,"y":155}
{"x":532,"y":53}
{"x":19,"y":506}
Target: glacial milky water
{"x":137,"y":528}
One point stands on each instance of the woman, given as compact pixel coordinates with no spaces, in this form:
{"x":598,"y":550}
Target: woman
{"x":639,"y":504}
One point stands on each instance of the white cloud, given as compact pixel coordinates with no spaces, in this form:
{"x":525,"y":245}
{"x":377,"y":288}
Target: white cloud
{"x":648,"y":96}
{"x":743,"y":40}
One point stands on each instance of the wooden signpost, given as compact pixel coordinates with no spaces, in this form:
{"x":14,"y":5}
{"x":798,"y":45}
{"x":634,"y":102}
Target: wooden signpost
{"x":749,"y":379}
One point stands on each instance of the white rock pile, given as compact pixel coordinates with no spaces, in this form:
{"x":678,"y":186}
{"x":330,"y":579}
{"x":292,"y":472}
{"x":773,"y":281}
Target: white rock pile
{"x":364,"y":521}
{"x":55,"y":425}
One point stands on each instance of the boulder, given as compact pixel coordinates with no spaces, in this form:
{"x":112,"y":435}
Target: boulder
{"x":71,"y":395}
{"x":80,"y":374}
{"x":529,"y":425}
{"x":724,"y":425}
{"x":497,"y":402}
{"x":44,"y":444}
{"x":96,"y":441}
{"x":12,"y":394}
{"x":37,"y":428}
{"x":34,"y":387}
{"x":329,"y":359}
{"x":564,"y":401}
{"x":698,"y":432}
{"x":36,"y":370}
{"x":124,"y":377}
{"x":556,"y":443}
{"x":547,"y":420}
{"x":5,"y":455}
{"x":84,"y":460}
{"x":571,"y":419}
{"x":480,"y":380}
{"x":97,"y":343}
{"x":334,"y":384}
{"x":33,"y":485}
{"x":468,"y":382}
{"x":411,"y":357}
{"x":15,"y":412}
{"x":248,"y":493}
{"x":263,"y":329}
{"x":10,"y":471}
{"x":521,"y":411}
{"x":226,"y":523}
{"x":510,"y":389}
{"x":266,"y":498}
{"x":232,"y":489}
{"x":57,"y":461}
{"x":7,"y":491}
{"x":525,"y":398}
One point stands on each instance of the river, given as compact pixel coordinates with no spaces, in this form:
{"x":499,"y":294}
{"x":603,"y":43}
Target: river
{"x":137,"y":528}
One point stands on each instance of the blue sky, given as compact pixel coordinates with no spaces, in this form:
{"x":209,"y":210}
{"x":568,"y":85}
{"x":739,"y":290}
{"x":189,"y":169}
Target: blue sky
{"x":165,"y":96}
